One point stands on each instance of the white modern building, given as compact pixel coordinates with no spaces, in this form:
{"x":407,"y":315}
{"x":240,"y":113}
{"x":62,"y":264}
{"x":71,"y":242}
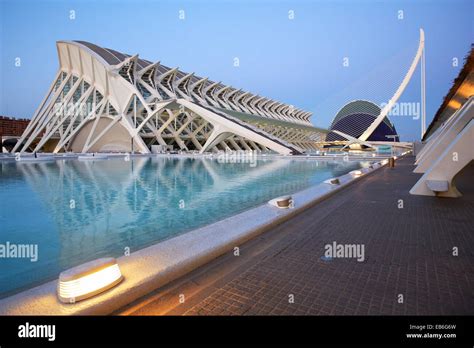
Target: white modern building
{"x":448,"y":145}
{"x":102,"y":100}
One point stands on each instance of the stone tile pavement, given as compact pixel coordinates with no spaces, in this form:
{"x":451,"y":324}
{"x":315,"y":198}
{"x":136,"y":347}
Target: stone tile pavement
{"x":408,"y":251}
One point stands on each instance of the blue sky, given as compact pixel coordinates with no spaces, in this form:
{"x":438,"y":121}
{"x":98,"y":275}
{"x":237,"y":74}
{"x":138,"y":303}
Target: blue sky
{"x":297,"y":61}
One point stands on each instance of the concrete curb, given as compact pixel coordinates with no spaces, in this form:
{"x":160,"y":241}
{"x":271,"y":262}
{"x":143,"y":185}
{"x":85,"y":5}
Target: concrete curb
{"x":150,"y":268}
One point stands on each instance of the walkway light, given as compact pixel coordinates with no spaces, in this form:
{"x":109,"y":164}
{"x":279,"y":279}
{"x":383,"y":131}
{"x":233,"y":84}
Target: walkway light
{"x":391,"y":162}
{"x":283,"y":202}
{"x":333,"y":181}
{"x":89,"y":279}
{"x":356,"y":173}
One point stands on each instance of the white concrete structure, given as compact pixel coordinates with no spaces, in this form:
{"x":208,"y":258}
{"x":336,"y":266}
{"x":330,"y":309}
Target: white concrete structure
{"x":364,"y":108}
{"x":446,"y":153}
{"x":105,"y":101}
{"x":386,"y":109}
{"x":443,"y":136}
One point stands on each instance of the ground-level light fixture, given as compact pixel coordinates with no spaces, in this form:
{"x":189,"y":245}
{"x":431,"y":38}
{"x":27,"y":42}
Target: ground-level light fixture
{"x":283,"y":202}
{"x":88,"y":279}
{"x":333,"y":181}
{"x":391,"y":162}
{"x":356,"y":173}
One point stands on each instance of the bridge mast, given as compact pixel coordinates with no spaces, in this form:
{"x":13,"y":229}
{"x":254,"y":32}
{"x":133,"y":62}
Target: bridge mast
{"x":423,"y":94}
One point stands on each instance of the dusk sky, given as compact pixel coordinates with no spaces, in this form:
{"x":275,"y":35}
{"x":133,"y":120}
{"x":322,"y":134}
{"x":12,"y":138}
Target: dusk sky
{"x":297,"y":60}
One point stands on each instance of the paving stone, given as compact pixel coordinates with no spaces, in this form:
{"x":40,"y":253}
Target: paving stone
{"x":407,"y":251}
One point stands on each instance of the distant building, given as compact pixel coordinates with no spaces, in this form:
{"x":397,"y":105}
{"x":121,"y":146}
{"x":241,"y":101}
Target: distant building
{"x":354,"y":119}
{"x":10,"y":126}
{"x":10,"y":130}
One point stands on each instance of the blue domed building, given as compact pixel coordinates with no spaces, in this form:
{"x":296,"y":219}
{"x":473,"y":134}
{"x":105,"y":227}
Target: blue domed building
{"x":355,"y":117}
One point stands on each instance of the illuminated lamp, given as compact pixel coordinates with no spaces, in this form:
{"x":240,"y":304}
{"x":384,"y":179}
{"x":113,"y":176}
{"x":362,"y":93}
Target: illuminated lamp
{"x":89,"y":279}
{"x":356,"y":173}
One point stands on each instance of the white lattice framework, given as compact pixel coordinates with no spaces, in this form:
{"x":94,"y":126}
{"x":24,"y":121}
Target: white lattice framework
{"x":102,"y":100}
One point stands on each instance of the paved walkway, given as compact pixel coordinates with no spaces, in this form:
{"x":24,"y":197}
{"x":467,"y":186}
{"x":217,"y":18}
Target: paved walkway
{"x":408,"y":252}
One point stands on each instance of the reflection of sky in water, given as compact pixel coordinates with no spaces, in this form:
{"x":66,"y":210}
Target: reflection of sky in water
{"x":133,"y":204}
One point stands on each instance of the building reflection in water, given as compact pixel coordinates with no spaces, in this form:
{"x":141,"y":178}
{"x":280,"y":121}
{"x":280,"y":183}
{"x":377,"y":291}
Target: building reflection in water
{"x":107,"y":207}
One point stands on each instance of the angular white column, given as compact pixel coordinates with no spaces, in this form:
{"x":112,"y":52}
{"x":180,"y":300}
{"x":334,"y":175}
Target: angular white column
{"x":438,"y":179}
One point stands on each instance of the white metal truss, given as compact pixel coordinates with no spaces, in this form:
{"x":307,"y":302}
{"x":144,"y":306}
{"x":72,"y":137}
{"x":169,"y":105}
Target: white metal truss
{"x":103,"y":100}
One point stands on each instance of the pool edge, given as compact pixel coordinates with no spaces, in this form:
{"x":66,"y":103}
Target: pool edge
{"x":153,"y":267}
